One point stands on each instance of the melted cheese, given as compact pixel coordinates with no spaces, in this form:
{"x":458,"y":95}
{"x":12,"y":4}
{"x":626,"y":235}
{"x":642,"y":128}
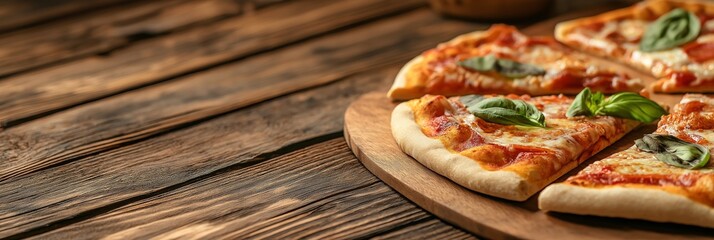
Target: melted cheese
{"x":634,"y":162}
{"x":632,"y":29}
{"x":675,"y":59}
{"x":661,"y":63}
{"x":560,"y":134}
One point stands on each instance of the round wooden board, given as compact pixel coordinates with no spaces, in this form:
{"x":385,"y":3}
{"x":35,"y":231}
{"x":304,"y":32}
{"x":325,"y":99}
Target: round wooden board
{"x":369,"y":136}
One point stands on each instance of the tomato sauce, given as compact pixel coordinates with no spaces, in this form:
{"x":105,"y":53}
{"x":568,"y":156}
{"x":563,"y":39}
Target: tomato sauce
{"x":700,"y":51}
{"x":683,"y":78}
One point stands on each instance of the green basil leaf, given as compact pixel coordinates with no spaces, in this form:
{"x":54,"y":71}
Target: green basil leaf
{"x":470,"y":101}
{"x":671,"y":30}
{"x":674,"y":151}
{"x":481,"y":64}
{"x":623,"y":105}
{"x":585,"y":104}
{"x":508,"y":112}
{"x":631,"y":106}
{"x":505,"y":67}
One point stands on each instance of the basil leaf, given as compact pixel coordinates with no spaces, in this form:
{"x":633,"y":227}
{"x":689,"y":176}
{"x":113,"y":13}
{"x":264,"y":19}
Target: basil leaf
{"x":631,"y":106}
{"x":505,"y":67}
{"x":674,"y":151}
{"x":670,"y":30}
{"x":481,"y":64}
{"x":507,"y":112}
{"x":585,"y":103}
{"x":623,"y":105}
{"x":470,"y":101}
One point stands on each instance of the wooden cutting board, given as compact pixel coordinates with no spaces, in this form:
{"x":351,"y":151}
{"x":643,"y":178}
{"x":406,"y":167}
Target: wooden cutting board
{"x":368,"y":133}
{"x":367,"y":130}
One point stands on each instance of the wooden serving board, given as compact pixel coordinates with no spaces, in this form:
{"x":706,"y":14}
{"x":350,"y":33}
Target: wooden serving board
{"x":368,"y":133}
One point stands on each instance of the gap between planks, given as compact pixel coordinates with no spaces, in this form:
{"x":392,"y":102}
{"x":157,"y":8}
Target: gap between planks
{"x":245,"y":136}
{"x":19,"y":14}
{"x":100,"y":32}
{"x":70,"y":185}
{"x":324,"y":194}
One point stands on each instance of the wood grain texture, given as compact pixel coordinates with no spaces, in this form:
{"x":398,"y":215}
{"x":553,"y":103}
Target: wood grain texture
{"x":368,"y":133}
{"x":172,"y":166}
{"x":249,"y":136}
{"x":101,"y":31}
{"x":40,"y":92}
{"x":138,"y":114}
{"x":429,"y":229}
{"x":19,"y":13}
{"x":319,"y":192}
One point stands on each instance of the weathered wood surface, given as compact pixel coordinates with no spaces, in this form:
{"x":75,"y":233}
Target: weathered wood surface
{"x":18,"y":13}
{"x":136,"y":171}
{"x":28,"y":95}
{"x":138,"y":114}
{"x":104,"y":30}
{"x":177,"y":118}
{"x":320,"y":192}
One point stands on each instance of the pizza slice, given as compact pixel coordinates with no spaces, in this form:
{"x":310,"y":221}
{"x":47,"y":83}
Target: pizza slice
{"x":666,"y":177}
{"x":512,"y":146}
{"x":502,"y":60}
{"x":673,"y":40}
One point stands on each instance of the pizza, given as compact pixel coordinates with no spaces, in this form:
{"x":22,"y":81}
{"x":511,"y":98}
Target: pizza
{"x":652,"y":184}
{"x":502,"y":60}
{"x":510,"y":153}
{"x":673,"y":40}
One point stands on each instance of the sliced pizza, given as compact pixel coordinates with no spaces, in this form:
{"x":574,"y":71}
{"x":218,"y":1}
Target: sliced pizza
{"x":666,"y":177}
{"x":512,"y":146}
{"x":672,"y":39}
{"x":502,"y":60}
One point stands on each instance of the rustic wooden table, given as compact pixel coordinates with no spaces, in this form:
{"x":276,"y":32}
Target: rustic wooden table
{"x":204,"y":118}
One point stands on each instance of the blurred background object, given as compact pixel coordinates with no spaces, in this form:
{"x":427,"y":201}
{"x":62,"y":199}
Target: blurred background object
{"x":490,"y":10}
{"x":506,"y":10}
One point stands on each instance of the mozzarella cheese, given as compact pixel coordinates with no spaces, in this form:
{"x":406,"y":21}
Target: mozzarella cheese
{"x":560,"y":134}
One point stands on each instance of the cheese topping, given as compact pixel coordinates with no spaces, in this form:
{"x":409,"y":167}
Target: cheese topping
{"x":621,"y":39}
{"x":535,"y":153}
{"x":566,"y":71}
{"x":633,"y":167}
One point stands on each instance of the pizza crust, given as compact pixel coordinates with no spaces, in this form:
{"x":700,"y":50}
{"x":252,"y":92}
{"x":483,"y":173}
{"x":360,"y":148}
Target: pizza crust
{"x":462,"y":170}
{"x":404,"y":90}
{"x":467,"y":172}
{"x":400,"y":89}
{"x":634,"y":203}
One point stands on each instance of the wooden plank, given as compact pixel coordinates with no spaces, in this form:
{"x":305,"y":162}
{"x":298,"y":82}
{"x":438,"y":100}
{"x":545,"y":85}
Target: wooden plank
{"x":138,"y":114}
{"x":25,"y":96}
{"x":430,"y":229}
{"x":101,"y":31}
{"x":72,"y":192}
{"x":19,"y":13}
{"x":320,"y":192}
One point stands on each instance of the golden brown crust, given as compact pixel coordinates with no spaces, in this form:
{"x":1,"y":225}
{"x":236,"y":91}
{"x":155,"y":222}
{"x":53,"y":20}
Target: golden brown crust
{"x":635,"y":203}
{"x":633,"y":184}
{"x":410,"y":84}
{"x":460,"y":169}
{"x":666,"y":85}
